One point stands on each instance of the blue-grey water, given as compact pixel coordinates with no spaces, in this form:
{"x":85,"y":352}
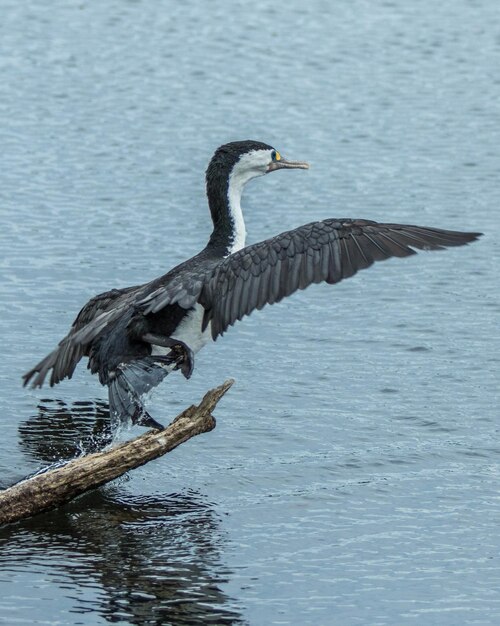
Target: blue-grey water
{"x":353,"y":477}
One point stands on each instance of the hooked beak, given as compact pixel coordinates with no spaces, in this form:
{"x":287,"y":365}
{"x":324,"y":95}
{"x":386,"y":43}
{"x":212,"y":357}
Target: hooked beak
{"x":289,"y":165}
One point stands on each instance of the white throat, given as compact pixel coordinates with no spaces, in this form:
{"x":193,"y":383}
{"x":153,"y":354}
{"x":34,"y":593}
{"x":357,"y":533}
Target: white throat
{"x":250,"y":165}
{"x":234,"y":191}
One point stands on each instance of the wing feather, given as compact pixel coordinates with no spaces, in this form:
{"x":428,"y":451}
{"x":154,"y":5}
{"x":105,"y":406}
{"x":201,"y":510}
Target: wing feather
{"x":63,"y":360}
{"x":330,"y":251}
{"x":257,"y":275}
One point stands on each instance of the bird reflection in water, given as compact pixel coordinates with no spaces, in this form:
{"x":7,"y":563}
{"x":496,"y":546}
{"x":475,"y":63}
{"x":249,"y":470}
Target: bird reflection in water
{"x":59,"y":432}
{"x":150,"y":560}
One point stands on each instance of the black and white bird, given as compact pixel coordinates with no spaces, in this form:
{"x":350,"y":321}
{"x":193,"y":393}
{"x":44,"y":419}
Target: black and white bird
{"x":134,"y":337}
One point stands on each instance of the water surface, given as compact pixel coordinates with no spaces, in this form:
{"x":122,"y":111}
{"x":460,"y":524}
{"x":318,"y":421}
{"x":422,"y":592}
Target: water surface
{"x":353,"y":474}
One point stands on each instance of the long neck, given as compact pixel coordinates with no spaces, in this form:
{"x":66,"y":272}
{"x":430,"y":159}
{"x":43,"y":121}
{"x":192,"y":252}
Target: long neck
{"x":224,"y":199}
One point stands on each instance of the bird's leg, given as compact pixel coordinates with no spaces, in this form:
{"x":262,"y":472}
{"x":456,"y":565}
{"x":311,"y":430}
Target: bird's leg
{"x":181,"y":352}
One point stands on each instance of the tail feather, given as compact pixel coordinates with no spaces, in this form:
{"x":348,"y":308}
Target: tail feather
{"x":131,"y":381}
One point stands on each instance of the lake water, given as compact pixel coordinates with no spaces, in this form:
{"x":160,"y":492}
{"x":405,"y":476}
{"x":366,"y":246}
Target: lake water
{"x":353,"y":477}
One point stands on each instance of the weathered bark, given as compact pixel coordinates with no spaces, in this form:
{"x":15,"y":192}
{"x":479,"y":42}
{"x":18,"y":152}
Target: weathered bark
{"x":54,"y":487}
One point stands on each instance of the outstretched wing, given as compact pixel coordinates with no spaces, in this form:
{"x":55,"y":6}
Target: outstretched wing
{"x":63,"y":360}
{"x":329,"y":251}
{"x":97,"y":305}
{"x":103,"y":311}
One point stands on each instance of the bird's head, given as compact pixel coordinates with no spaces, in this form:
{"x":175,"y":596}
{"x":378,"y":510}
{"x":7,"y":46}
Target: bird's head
{"x":244,"y":160}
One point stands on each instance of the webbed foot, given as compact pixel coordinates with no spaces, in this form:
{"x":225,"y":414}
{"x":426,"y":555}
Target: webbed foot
{"x":180,"y":352}
{"x":184,"y":357}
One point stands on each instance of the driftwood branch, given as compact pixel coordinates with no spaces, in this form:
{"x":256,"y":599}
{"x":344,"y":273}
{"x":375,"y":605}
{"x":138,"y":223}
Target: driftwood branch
{"x":54,"y":487}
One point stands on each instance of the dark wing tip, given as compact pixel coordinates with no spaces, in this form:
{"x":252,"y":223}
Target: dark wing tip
{"x":458,"y":238}
{"x":426,"y":238}
{"x":470,"y":237}
{"x":38,"y":381}
{"x":27,"y":377}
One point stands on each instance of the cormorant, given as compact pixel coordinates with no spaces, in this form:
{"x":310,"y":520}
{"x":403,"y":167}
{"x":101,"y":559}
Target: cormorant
{"x":135,"y":336}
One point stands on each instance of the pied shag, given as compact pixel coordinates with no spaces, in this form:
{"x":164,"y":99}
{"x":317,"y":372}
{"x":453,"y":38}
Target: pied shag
{"x":135,"y":336}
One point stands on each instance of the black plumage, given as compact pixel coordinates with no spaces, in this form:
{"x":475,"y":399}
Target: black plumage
{"x":119,"y":330}
{"x":327,"y":251}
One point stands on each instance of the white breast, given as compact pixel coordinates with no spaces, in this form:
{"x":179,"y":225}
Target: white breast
{"x":189,"y":331}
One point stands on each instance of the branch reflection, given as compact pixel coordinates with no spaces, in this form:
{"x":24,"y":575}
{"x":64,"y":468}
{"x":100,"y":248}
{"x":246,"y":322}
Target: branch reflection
{"x":150,"y":560}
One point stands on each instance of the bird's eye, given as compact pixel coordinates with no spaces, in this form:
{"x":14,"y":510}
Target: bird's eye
{"x":275,"y":155}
